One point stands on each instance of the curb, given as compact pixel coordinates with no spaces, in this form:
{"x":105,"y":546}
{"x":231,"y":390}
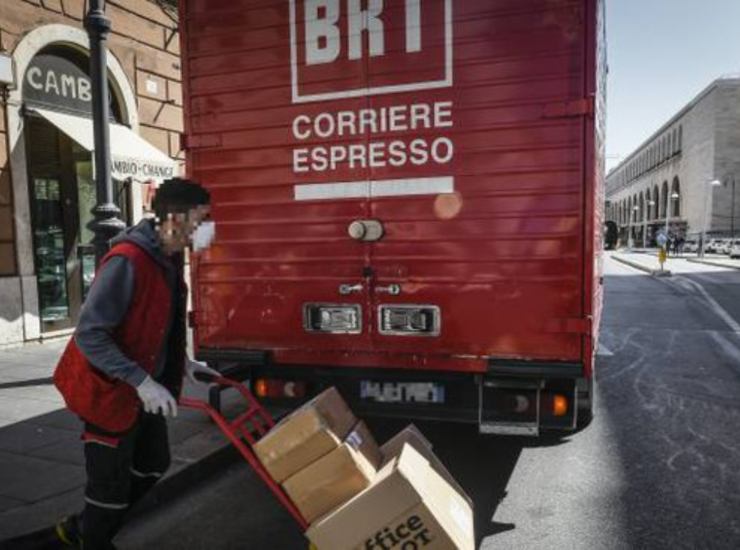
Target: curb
{"x":710,"y":262}
{"x":645,"y":269}
{"x":188,"y":474}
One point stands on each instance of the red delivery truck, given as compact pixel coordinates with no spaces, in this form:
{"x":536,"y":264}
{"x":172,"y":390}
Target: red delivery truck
{"x":408,"y":197}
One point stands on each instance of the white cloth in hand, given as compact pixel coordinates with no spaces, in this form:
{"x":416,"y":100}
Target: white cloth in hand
{"x":194,"y":367}
{"x":156,"y":398}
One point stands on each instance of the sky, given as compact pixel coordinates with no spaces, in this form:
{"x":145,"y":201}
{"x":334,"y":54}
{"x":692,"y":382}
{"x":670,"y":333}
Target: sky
{"x":662,"y":53}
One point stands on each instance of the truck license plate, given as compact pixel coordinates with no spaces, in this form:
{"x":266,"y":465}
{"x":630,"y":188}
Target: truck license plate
{"x":402,"y":392}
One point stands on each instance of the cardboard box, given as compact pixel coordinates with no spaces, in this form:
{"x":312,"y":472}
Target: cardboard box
{"x":305,"y":435}
{"x":335,"y":477}
{"x":408,"y":506}
{"x":411,"y":434}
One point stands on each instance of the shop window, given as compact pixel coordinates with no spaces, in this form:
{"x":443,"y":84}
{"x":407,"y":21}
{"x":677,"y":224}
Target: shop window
{"x":62,"y":193}
{"x":60,"y":183}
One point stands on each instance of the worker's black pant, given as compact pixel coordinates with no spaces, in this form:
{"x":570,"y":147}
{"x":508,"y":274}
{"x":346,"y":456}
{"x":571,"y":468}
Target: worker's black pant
{"x":121,"y":468}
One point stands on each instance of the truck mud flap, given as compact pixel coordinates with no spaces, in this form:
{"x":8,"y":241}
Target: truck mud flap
{"x":526,"y":407}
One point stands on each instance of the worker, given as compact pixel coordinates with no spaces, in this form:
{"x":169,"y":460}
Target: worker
{"x":123,"y":369}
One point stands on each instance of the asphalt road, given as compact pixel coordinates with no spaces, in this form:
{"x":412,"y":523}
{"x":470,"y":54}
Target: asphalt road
{"x":659,"y":467}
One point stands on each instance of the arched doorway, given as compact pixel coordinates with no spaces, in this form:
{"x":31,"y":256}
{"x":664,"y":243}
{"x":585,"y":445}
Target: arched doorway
{"x":676,"y":198}
{"x":664,"y":200}
{"x":61,"y":189}
{"x":40,"y":189}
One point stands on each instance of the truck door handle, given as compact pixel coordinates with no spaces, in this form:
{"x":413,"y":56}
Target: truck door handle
{"x":392,"y":289}
{"x":346,"y":289}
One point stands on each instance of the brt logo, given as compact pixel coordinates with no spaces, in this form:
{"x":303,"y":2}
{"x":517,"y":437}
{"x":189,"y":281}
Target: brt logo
{"x":354,"y":48}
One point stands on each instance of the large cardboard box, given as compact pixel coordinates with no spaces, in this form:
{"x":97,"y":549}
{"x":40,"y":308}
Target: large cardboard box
{"x":411,"y":434}
{"x":408,"y":506}
{"x":335,"y":477}
{"x":305,"y":435}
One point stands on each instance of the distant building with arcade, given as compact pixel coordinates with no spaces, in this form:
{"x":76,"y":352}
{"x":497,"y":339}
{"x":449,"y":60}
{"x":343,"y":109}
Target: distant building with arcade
{"x":683,"y":177}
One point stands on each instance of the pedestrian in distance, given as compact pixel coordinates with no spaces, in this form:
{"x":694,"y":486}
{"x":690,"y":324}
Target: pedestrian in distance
{"x":122,"y":371}
{"x":679,"y":246}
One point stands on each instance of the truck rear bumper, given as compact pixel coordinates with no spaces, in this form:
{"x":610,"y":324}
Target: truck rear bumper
{"x":510,"y":397}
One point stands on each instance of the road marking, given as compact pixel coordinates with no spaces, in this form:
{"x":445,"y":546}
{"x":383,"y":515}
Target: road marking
{"x":718,"y":309}
{"x":604,"y":351}
{"x":730,"y":348}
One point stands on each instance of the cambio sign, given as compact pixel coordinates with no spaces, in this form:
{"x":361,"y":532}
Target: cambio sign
{"x":344,"y":49}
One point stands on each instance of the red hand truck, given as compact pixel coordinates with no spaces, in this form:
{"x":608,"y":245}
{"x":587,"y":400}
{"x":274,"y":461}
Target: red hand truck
{"x":243,"y":432}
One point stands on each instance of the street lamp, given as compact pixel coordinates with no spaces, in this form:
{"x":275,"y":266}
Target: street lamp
{"x":707,"y":201}
{"x":105,"y":224}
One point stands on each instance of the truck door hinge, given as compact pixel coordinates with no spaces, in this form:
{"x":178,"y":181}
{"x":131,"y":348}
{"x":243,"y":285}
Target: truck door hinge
{"x":566,"y":109}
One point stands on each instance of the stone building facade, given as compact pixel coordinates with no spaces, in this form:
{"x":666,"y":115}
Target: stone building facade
{"x":46,"y":169}
{"x":672,"y":172}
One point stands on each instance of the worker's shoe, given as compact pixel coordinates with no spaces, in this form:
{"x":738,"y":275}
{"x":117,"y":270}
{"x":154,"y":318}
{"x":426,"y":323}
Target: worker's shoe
{"x":69,"y":531}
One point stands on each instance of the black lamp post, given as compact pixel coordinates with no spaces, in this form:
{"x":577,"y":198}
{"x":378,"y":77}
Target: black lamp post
{"x":105,"y":224}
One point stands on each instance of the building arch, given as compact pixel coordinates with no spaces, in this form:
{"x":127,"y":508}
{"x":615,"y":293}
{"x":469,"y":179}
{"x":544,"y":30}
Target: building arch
{"x":656,"y":199}
{"x":624,"y":211}
{"x":664,"y":200}
{"x":676,"y":202}
{"x":29,"y":46}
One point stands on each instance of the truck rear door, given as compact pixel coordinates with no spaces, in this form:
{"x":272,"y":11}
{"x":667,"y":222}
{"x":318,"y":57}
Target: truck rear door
{"x":420,"y":160}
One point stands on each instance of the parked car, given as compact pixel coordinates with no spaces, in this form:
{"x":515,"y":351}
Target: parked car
{"x":735,"y":249}
{"x":691,"y":245}
{"x":725,"y":246}
{"x":713,"y":245}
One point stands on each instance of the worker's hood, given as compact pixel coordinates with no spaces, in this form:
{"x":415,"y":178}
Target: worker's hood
{"x":144,"y":235}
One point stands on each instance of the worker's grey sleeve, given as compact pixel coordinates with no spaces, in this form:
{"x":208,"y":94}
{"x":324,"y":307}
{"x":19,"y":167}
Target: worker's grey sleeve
{"x":104,"y":309}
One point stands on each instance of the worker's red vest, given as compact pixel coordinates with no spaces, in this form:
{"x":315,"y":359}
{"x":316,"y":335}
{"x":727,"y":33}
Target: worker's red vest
{"x":109,"y":403}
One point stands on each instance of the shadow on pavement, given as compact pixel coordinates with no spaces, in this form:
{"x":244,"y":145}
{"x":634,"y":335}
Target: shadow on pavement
{"x":482,"y":464}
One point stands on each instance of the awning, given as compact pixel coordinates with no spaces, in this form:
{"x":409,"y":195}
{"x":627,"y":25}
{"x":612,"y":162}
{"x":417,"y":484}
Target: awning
{"x":131,"y":155}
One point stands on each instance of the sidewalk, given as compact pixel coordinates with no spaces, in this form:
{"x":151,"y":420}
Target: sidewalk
{"x":644,"y":260}
{"x":647,"y":259}
{"x":41,"y":462}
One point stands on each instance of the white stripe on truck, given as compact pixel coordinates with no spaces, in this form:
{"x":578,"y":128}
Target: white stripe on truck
{"x":369,"y":189}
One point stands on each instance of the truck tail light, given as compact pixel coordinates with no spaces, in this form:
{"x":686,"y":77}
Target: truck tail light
{"x":419,"y":320}
{"x":276,"y":389}
{"x":332,"y":318}
{"x":559,"y":405}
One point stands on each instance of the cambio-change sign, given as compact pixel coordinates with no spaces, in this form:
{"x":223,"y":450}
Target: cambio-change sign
{"x":396,"y":50}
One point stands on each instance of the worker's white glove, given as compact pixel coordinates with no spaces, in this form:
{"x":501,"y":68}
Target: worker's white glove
{"x":194,"y":367}
{"x":156,"y":398}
